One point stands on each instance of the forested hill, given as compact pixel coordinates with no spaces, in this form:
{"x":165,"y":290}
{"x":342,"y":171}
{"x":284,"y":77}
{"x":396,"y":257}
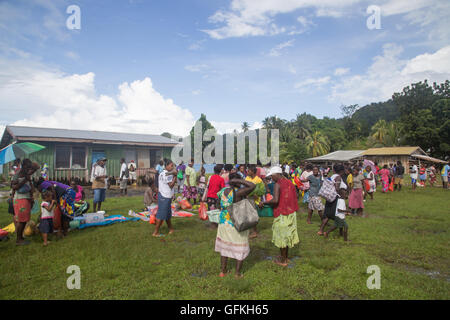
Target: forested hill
{"x":371,"y":113}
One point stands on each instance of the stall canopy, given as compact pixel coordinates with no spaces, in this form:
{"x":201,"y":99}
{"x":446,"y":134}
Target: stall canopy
{"x":427,"y":158}
{"x":338,"y":156}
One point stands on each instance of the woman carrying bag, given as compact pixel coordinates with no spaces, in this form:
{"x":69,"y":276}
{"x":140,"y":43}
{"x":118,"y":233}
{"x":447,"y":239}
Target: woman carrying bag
{"x":231,"y":243}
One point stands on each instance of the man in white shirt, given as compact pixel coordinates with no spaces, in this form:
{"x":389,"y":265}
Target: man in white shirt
{"x":287,"y":169}
{"x":414,"y":174}
{"x":123,"y":177}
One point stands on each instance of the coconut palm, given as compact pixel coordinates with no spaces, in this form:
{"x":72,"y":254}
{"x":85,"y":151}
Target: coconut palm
{"x":317,"y":144}
{"x":380,"y":131}
{"x":245,"y":126}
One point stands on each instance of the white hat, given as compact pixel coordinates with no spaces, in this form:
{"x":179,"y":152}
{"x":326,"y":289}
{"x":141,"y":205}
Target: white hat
{"x":275,"y":169}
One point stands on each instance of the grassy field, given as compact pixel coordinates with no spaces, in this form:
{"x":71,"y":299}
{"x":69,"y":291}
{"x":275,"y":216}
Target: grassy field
{"x":404,"y":233}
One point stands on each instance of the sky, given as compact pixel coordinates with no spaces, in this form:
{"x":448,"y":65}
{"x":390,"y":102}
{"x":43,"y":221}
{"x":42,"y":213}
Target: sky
{"x":153,"y":66}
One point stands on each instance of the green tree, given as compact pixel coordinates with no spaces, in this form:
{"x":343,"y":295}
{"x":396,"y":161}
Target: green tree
{"x":317,"y":144}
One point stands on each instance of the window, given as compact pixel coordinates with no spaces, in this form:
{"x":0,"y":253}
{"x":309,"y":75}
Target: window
{"x":62,"y":157}
{"x":67,"y":157}
{"x":78,"y":157}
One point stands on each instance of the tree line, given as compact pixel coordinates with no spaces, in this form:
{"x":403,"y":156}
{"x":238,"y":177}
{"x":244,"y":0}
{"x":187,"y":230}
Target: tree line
{"x":419,"y":115}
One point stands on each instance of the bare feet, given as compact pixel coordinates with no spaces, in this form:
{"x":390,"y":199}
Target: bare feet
{"x":280,"y":263}
{"x":238,"y":275}
{"x":171,"y":231}
{"x":308,"y":222}
{"x":325,"y":234}
{"x":253,"y":235}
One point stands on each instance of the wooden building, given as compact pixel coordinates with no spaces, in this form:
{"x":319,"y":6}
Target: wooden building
{"x":388,"y":155}
{"x":71,"y":153}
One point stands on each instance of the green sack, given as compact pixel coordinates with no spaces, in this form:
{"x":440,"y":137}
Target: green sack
{"x":180,"y":175}
{"x":266,"y":211}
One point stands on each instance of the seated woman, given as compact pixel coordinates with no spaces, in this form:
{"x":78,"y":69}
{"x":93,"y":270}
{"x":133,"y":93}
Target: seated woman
{"x":81,"y":206}
{"x":65,"y":197}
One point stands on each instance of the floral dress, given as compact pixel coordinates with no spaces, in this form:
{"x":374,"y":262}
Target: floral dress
{"x":230,"y":242}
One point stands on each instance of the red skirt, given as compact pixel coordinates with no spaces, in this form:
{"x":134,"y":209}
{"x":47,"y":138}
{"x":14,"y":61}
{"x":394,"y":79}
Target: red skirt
{"x":22,"y":210}
{"x":355,"y":200}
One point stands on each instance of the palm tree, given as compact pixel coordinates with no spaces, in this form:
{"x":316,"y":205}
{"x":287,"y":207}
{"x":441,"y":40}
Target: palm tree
{"x":380,"y":131}
{"x":245,"y":126}
{"x":317,"y":144}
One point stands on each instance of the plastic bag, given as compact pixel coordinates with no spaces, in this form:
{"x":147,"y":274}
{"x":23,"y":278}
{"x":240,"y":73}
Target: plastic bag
{"x":152,"y":219}
{"x":202,"y":211}
{"x":391,"y":186}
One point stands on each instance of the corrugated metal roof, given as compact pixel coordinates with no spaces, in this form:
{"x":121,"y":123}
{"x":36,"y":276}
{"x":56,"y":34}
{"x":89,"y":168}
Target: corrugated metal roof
{"x":19,"y":131}
{"x":427,"y":158}
{"x":392,"y":151}
{"x":340,"y":155}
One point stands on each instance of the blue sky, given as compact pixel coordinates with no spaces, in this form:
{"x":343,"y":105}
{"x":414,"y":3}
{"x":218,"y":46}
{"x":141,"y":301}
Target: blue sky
{"x":153,"y":66}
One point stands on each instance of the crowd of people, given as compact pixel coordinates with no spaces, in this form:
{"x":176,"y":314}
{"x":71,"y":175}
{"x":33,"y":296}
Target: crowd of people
{"x":276,"y":189}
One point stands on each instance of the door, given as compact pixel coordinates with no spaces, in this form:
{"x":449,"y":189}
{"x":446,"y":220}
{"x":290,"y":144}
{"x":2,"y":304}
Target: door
{"x":143,"y":156}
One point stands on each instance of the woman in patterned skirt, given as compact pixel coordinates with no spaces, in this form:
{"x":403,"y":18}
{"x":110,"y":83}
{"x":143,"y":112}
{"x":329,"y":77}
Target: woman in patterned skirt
{"x":231,"y":243}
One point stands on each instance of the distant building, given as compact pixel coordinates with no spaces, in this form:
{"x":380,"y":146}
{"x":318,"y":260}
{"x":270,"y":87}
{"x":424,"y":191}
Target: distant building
{"x":406,"y":155}
{"x":338,"y":156}
{"x":71,"y":153}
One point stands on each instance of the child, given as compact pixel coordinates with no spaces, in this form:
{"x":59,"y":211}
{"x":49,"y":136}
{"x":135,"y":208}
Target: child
{"x":201,"y":181}
{"x":339,"y":219}
{"x":151,"y":194}
{"x":46,"y":217}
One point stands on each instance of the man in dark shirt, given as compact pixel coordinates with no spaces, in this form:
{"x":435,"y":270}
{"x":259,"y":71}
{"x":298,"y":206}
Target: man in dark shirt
{"x":398,"y":176}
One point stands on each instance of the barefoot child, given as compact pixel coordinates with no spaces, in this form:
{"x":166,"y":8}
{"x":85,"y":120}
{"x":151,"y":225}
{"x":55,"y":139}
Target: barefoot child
{"x":46,"y":217}
{"x":339,"y":219}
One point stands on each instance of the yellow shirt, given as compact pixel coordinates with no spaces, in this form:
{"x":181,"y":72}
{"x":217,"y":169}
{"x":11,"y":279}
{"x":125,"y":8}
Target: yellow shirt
{"x":255,"y":180}
{"x":349,"y":179}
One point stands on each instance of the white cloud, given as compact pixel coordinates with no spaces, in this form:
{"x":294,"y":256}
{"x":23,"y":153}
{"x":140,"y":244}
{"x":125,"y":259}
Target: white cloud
{"x":224,"y":127}
{"x":276,"y":51}
{"x":72,"y":55}
{"x":246,"y":18}
{"x":196,"y":67}
{"x":196,"y":92}
{"x":256,"y":18}
{"x":292,"y":69}
{"x":317,"y":82}
{"x":389,"y":73}
{"x":40,"y":96}
{"x":197,"y":45}
{"x":341,"y":71}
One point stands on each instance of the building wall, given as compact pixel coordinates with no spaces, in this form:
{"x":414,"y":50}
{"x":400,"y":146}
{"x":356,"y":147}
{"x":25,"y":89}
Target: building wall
{"x":388,"y":159}
{"x":112,"y":152}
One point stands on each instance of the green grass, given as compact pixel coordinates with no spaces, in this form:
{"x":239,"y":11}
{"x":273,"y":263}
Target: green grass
{"x":405,"y":234}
